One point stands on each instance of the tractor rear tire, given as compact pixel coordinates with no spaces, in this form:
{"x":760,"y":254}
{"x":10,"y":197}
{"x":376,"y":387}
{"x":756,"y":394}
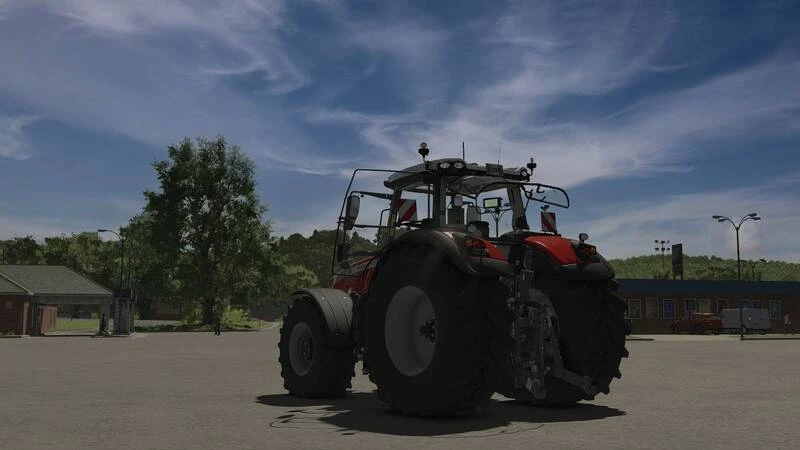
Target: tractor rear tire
{"x":436,"y":337}
{"x":310,"y":367}
{"x":591,"y":323}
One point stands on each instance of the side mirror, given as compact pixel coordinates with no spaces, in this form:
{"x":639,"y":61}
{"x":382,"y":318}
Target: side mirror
{"x":351,"y":211}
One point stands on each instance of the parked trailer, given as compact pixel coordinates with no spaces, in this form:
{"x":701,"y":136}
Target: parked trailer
{"x":754,"y":320}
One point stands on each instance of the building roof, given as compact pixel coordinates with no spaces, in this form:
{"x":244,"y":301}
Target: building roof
{"x":8,"y":287}
{"x":712,"y":287}
{"x":48,"y":280}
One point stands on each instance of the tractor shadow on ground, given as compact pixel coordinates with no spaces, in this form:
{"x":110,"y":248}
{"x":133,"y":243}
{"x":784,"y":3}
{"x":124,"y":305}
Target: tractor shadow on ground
{"x":364,"y":412}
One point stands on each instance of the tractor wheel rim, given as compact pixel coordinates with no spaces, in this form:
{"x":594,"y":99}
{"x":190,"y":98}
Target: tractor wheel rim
{"x":301,"y":348}
{"x":411,"y":331}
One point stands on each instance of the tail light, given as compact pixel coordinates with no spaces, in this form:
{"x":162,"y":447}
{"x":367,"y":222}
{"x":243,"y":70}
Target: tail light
{"x":476,"y":247}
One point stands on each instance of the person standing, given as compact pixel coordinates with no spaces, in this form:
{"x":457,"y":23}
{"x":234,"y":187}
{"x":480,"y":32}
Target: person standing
{"x":217,"y":328}
{"x":103,"y":325}
{"x":787,"y":324}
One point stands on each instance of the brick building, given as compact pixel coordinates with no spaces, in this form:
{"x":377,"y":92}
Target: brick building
{"x":31,"y":294}
{"x":654,"y":304}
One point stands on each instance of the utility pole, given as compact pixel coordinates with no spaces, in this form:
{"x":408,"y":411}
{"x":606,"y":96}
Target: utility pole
{"x":753,"y":268}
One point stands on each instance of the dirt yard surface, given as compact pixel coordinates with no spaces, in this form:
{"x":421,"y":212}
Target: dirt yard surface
{"x":198,"y":391}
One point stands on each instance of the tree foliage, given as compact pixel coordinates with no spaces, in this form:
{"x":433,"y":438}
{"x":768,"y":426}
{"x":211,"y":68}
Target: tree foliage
{"x":20,"y":250}
{"x":205,"y":225}
{"x":316,"y":251}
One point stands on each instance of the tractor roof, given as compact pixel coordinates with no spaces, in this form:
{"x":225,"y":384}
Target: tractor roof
{"x":468,"y":181}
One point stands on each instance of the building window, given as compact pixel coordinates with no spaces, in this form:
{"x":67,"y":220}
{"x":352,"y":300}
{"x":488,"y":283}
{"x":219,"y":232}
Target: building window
{"x":651,"y":308}
{"x":704,"y":305}
{"x":669,"y":308}
{"x":758,"y":304}
{"x":746,"y":303}
{"x":690,"y":307}
{"x":635,"y":308}
{"x":775,"y":309}
{"x":722,"y":303}
{"x":9,"y":304}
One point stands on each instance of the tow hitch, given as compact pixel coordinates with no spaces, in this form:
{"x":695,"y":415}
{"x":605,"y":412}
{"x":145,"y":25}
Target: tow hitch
{"x":538,"y":352}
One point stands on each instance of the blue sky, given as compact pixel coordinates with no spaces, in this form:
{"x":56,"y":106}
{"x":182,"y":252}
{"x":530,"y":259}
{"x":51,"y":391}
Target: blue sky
{"x":654,"y":116}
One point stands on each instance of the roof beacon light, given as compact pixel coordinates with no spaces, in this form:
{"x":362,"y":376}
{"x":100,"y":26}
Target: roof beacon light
{"x":459,"y":165}
{"x":583,"y":237}
{"x":444,"y":165}
{"x":423,"y":150}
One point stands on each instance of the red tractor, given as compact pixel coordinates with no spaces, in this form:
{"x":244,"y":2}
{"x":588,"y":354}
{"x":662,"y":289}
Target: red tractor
{"x":443,"y":315}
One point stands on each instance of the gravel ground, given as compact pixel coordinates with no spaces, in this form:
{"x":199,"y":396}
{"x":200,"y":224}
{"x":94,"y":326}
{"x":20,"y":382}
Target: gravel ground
{"x":198,"y":391}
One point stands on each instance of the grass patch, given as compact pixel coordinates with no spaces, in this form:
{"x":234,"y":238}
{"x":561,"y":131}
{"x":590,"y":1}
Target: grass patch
{"x":66,"y":324}
{"x":244,"y":325}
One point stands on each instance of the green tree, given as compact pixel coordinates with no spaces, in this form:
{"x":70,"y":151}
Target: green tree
{"x":152,"y":275}
{"x":206,"y":224}
{"x":58,"y":250}
{"x":21,"y":250}
{"x":316,"y":251}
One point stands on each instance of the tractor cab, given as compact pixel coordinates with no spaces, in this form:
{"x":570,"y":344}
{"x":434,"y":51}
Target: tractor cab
{"x":487,"y":201}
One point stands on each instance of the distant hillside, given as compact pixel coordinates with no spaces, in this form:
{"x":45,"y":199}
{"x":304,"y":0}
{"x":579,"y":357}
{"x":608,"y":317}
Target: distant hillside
{"x":705,"y":268}
{"x":316,"y":252}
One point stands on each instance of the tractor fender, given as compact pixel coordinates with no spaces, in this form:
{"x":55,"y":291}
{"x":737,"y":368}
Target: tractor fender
{"x":556,"y":254}
{"x":448,"y":244}
{"x":539,"y":259}
{"x":336,"y":308}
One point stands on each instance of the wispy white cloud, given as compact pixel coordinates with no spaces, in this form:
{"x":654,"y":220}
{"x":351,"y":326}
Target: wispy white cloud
{"x":247,"y":27}
{"x":656,"y":134}
{"x":13,"y":143}
{"x":152,"y":70}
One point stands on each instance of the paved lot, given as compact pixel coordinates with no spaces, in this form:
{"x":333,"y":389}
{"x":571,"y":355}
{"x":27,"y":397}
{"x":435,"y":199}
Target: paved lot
{"x":198,"y":391}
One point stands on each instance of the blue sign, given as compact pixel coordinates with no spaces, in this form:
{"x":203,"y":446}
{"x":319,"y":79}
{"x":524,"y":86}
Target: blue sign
{"x":669,"y":309}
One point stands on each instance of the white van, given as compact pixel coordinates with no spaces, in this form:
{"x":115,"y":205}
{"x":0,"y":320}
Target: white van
{"x":754,"y":320}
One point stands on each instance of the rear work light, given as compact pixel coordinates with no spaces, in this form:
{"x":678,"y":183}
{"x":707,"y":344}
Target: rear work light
{"x":587,"y":251}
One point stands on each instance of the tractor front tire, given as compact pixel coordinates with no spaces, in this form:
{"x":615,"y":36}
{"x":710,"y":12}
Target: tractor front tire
{"x":591,"y":323}
{"x":433,"y":344}
{"x":310,"y":367}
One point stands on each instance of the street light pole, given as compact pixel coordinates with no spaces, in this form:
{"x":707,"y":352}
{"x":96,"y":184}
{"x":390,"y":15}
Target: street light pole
{"x":663,"y":249}
{"x":751,"y":216}
{"x":121,"y":255}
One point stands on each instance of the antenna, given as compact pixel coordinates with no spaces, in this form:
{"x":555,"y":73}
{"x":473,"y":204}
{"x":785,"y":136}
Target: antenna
{"x":499,"y":153}
{"x":463,"y":154}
